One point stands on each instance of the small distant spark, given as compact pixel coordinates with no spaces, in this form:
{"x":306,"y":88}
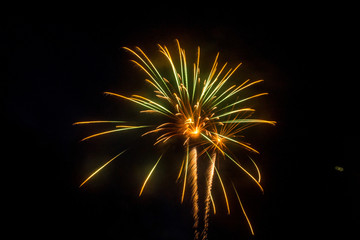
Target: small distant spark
{"x":338,"y":168}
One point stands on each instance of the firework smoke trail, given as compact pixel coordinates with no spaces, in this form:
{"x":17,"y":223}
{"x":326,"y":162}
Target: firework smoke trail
{"x":193,"y":178}
{"x":210,"y":177}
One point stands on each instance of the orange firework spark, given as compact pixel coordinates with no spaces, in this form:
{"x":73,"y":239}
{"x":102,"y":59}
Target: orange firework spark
{"x":202,"y":110}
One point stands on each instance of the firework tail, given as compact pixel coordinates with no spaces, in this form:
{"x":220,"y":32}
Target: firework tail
{"x":209,"y":181}
{"x":194,"y":185}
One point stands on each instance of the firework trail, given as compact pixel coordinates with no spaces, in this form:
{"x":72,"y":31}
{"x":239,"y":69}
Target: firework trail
{"x":193,"y":180}
{"x":202,"y":110}
{"x":210,"y":177}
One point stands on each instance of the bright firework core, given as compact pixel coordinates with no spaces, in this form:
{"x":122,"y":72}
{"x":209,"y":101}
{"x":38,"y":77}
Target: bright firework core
{"x":192,"y":129}
{"x":191,"y":123}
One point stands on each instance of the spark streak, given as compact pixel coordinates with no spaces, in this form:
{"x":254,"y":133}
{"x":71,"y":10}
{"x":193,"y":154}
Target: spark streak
{"x":112,"y":131}
{"x":242,"y":208}
{"x":99,"y":169}
{"x":147,"y":178}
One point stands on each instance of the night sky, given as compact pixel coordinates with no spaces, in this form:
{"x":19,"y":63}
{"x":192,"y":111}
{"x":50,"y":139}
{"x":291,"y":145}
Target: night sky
{"x":59,"y":65}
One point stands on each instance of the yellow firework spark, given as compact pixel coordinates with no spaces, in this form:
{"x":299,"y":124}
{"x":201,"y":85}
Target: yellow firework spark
{"x":204,"y":111}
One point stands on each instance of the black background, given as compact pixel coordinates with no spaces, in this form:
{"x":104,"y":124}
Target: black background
{"x":59,"y":64}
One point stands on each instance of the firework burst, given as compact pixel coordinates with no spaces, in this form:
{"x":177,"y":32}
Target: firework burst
{"x":202,"y":110}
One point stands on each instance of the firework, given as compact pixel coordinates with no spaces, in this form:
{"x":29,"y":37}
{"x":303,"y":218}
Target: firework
{"x":202,"y":110}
